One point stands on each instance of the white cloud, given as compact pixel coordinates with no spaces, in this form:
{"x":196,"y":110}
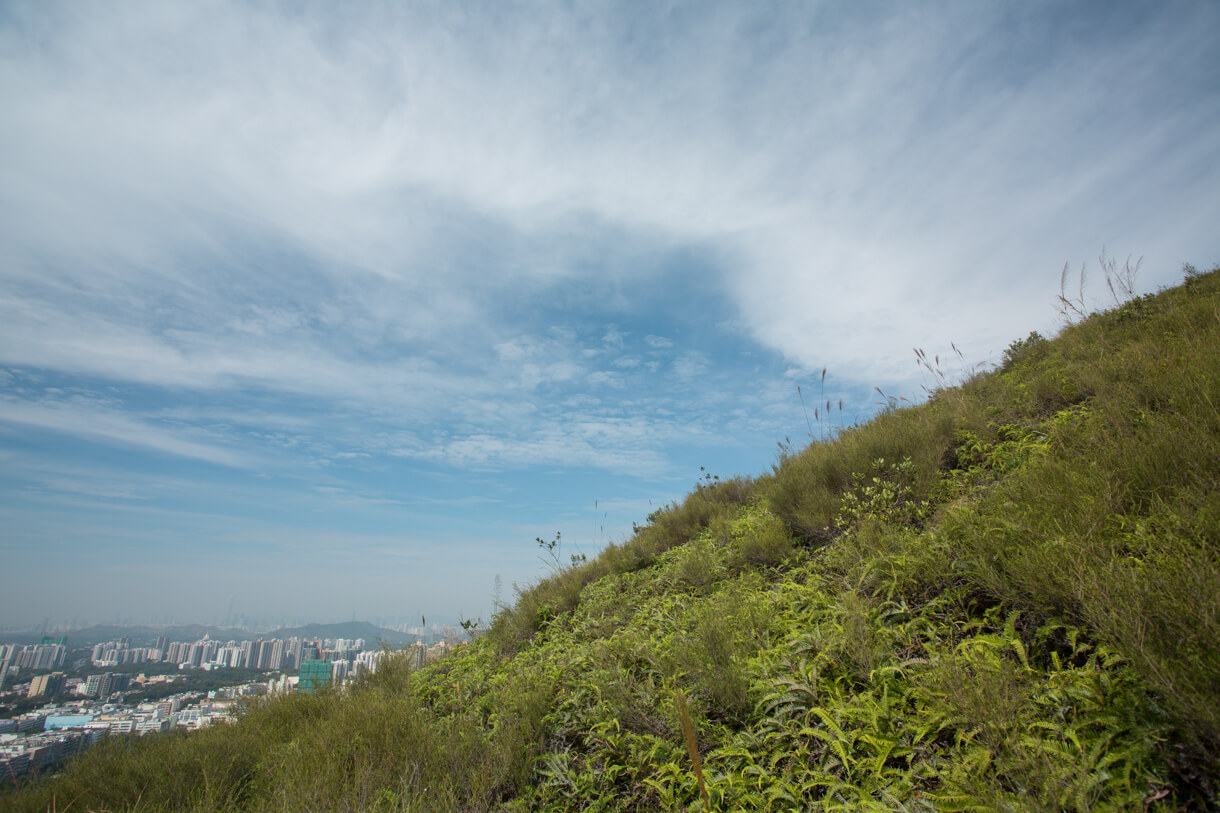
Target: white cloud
{"x":691,"y":364}
{"x":872,"y":179}
{"x":437,"y":233}
{"x":99,"y":423}
{"x":605,"y":378}
{"x":578,"y":440}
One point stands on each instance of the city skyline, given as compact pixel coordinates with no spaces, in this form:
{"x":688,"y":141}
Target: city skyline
{"x":79,"y":633}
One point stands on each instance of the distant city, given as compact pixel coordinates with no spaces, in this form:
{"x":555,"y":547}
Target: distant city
{"x":245,"y":623}
{"x":56,"y":700}
{"x":265,"y":655}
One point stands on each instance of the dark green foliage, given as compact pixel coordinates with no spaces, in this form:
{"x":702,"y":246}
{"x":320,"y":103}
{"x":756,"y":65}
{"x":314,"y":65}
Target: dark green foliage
{"x":1027,"y":350}
{"x":1006,"y":598}
{"x":195,"y":681}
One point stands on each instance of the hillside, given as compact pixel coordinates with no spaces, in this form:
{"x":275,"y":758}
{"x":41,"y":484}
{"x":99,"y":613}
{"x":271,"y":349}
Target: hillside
{"x":141,"y":635}
{"x":1006,"y":598}
{"x":347,"y":629}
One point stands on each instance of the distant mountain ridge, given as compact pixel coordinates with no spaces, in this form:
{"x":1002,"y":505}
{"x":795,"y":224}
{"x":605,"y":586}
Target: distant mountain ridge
{"x":371,"y":633}
{"x":143,"y":635}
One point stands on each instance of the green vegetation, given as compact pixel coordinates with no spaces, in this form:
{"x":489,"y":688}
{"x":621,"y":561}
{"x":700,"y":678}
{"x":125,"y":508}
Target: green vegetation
{"x":196,"y":680}
{"x":1006,"y":598}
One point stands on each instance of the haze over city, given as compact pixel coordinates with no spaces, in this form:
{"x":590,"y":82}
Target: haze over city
{"x":317,"y":313}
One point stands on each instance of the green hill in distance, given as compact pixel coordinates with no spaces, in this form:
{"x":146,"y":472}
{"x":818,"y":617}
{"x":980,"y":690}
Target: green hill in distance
{"x":1005,"y":598}
{"x":371,"y":633}
{"x":146,"y":635}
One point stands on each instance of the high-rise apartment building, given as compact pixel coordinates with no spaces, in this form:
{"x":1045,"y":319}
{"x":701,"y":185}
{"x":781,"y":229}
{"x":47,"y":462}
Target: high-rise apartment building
{"x":294,"y":653}
{"x":93,"y":684}
{"x":314,"y":675}
{"x":102,"y":686}
{"x":276,"y":658}
{"x":40,"y":656}
{"x":46,"y":685}
{"x":111,"y":683}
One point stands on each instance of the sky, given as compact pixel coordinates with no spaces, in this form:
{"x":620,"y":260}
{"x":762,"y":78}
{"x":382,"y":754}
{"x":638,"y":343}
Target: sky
{"x":318,"y":311}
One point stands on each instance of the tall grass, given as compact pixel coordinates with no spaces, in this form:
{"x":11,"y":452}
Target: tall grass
{"x":375,"y":747}
{"x":1115,"y":524}
{"x":1006,"y":598}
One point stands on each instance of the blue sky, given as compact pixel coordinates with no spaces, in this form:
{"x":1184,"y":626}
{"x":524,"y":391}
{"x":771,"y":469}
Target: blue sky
{"x":309,"y":313}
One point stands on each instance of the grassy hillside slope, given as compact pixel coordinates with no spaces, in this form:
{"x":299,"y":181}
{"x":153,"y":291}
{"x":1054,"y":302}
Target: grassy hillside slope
{"x":1006,"y":598}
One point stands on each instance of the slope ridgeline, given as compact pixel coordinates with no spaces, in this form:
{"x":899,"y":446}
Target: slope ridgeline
{"x":1005,"y":598}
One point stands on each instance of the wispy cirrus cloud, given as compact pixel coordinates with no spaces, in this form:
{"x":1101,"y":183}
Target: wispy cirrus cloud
{"x":82,"y":418}
{"x":395,"y":256}
{"x":621,"y":446}
{"x":858,"y":191}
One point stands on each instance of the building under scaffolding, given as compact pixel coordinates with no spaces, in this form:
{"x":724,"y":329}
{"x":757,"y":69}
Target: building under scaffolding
{"x":314,"y":675}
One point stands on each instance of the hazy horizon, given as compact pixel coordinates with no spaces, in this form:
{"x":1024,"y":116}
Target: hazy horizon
{"x":250,"y":627}
{"x":399,"y":624}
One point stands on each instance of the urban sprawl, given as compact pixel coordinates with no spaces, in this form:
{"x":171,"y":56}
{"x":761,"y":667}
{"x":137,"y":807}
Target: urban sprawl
{"x":80,"y":710}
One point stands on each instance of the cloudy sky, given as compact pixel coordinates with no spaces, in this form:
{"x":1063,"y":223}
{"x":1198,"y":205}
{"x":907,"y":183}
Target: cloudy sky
{"x":310,"y":312}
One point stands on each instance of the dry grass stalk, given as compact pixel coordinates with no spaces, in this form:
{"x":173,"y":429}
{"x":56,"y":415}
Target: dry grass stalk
{"x":692,"y":748}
